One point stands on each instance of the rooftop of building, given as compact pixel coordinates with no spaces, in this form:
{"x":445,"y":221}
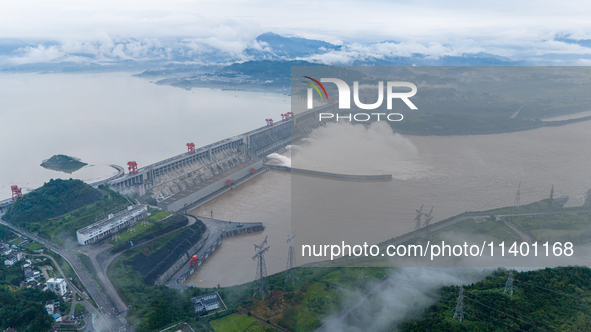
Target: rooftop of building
{"x":108,"y":220}
{"x":211,"y":297}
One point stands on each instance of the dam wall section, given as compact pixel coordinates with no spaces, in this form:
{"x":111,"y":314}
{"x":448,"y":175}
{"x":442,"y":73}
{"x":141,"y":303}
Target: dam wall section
{"x":181,"y":174}
{"x":187,"y":197}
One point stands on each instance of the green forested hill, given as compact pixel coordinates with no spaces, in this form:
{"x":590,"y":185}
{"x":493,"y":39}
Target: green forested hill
{"x":23,"y":309}
{"x":61,"y":207}
{"x":543,"y":300}
{"x":54,"y":198}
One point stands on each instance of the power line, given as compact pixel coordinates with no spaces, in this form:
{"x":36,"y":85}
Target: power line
{"x":291,"y":260}
{"x":504,"y":313}
{"x":551,"y":290}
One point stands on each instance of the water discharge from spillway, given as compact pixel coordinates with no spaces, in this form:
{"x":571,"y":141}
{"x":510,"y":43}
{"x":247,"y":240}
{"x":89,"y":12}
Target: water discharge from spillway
{"x":279,"y":160}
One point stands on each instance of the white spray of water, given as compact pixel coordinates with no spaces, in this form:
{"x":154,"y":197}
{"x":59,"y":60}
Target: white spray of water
{"x":294,"y":148}
{"x":407,"y":292}
{"x":277,"y":159}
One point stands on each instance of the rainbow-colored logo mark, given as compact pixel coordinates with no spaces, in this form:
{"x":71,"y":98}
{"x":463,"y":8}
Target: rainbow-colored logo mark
{"x":315,"y":87}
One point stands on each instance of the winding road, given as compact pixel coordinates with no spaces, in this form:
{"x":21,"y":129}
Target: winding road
{"x":106,"y":309}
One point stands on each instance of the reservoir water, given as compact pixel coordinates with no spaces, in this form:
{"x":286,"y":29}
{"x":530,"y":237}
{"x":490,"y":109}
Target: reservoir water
{"x":114,"y":118}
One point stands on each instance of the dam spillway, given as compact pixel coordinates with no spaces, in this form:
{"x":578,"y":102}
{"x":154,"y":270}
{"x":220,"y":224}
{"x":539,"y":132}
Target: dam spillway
{"x":180,"y":181}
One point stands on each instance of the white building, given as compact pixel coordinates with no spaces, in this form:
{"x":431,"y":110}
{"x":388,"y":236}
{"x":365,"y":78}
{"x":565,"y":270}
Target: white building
{"x":112,"y":224}
{"x":206,"y":302}
{"x":58,"y":286}
{"x":10,"y":261}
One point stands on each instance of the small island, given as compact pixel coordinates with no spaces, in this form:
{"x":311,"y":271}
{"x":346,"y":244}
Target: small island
{"x":63,"y":163}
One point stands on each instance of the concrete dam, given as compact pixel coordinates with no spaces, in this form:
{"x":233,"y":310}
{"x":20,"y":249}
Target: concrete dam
{"x":180,"y":182}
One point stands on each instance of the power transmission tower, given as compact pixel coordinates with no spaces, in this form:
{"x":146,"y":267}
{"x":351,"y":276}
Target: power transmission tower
{"x":551,"y":197}
{"x":428,"y":218}
{"x":459,"y":313}
{"x":258,"y":247}
{"x":509,"y":284}
{"x":260,"y":284}
{"x":418,"y":218}
{"x":517,"y":201}
{"x":291,"y":260}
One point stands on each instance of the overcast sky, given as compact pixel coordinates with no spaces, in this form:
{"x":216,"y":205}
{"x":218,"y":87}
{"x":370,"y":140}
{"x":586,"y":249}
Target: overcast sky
{"x":502,"y":27}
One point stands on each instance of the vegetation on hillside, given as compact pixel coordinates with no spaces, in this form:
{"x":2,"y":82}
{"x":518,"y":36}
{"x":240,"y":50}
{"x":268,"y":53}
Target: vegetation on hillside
{"x":543,"y":300}
{"x":151,"y":308}
{"x":11,"y":275}
{"x":575,"y":228}
{"x":54,"y":198}
{"x":296,"y":307}
{"x":156,"y":227}
{"x":23,"y":309}
{"x":6,"y":234}
{"x":60,"y":207}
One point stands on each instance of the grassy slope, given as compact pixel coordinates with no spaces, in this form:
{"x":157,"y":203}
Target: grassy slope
{"x":233,"y":323}
{"x":142,"y":229}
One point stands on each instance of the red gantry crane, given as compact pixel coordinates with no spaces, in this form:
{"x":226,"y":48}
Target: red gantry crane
{"x":191,"y":147}
{"x":132,"y":166}
{"x":16,"y":192}
{"x":193,"y":260}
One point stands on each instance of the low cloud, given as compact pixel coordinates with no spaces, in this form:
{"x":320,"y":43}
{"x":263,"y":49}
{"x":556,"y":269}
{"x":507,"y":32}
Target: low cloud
{"x":407,"y":293}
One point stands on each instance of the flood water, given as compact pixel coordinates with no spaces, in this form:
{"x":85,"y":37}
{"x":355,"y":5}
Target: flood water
{"x":113,"y":118}
{"x":453,"y":174}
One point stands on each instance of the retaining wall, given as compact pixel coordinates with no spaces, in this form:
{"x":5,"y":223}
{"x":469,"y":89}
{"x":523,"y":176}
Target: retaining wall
{"x":161,"y":280}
